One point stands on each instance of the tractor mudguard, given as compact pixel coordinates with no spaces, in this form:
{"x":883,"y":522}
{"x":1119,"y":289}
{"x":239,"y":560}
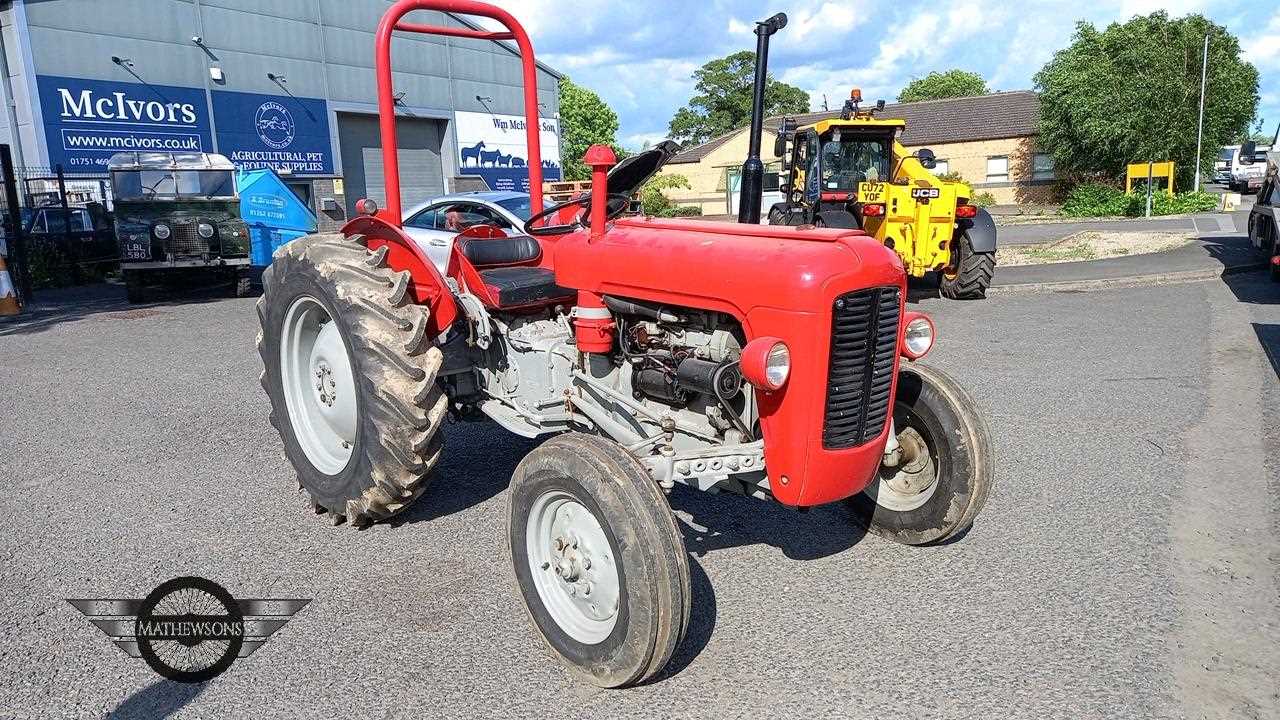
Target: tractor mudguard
{"x":427,"y":286}
{"x":981,"y":230}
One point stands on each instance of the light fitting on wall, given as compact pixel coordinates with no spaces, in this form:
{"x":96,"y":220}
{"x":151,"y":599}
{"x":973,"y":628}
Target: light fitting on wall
{"x":483,"y":99}
{"x":122,"y":62}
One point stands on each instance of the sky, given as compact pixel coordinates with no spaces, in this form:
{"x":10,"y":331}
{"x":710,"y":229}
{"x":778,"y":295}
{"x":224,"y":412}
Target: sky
{"x":640,"y":56}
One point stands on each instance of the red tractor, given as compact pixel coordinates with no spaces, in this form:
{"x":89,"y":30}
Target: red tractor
{"x":759,"y":360}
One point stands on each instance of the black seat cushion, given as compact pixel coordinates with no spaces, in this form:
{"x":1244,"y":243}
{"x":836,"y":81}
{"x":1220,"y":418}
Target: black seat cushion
{"x":500,"y":251}
{"x":516,"y":286}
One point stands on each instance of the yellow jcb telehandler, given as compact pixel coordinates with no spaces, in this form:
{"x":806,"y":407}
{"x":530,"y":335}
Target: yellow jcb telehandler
{"x":851,"y":172}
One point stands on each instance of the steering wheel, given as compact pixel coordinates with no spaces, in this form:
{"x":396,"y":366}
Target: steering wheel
{"x":616,"y":204}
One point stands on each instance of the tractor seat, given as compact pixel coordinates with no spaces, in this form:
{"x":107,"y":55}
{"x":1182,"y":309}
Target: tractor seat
{"x":511,"y":283}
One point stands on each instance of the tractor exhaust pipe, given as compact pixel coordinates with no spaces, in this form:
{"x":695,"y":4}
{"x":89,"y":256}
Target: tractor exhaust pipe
{"x":752,"y":184}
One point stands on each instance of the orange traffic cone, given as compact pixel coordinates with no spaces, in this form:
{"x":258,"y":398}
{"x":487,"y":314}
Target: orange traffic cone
{"x":8,"y":297}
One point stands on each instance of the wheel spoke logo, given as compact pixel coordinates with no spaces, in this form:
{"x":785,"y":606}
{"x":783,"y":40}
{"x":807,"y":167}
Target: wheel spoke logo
{"x":189,"y":629}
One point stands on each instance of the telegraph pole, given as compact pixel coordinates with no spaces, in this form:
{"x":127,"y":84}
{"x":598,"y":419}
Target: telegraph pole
{"x":1204,"y":73}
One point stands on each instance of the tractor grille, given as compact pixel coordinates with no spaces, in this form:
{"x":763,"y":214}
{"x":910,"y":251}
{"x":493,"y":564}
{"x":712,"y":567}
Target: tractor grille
{"x":864,"y":345}
{"x":184,"y":240}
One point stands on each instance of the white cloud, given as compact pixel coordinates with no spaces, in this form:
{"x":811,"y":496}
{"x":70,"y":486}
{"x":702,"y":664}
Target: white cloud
{"x":1263,"y":49}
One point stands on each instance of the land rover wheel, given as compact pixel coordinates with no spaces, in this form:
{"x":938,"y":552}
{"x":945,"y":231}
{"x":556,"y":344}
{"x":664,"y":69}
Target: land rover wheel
{"x":970,"y":274}
{"x":598,"y":559}
{"x":351,"y":377}
{"x":944,"y":472}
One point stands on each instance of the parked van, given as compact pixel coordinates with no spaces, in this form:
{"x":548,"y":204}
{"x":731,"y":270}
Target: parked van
{"x":1247,"y":177}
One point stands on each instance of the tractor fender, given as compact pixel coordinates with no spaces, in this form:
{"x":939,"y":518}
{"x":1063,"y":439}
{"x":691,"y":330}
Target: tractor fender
{"x":427,"y":286}
{"x":981,"y":231}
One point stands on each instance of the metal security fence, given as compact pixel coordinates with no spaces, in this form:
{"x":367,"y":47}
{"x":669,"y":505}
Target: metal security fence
{"x":57,"y":225}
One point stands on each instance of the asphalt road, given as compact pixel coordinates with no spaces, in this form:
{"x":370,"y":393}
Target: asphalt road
{"x":1124,"y":568}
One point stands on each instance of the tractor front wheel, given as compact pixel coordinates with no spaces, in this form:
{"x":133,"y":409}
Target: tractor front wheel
{"x":945,"y":471}
{"x":971,"y":272}
{"x":598,"y":559}
{"x":351,"y":377}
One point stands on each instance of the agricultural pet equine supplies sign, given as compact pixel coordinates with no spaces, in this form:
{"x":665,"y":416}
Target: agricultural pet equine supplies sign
{"x":88,"y":121}
{"x":284,"y":133}
{"x":493,"y":147}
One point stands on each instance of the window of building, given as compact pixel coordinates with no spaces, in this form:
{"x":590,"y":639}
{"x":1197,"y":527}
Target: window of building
{"x":941,"y":167}
{"x":1042,"y":166}
{"x":998,"y":168}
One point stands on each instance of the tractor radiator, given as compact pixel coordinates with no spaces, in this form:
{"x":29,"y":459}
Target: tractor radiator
{"x":864,"y":345}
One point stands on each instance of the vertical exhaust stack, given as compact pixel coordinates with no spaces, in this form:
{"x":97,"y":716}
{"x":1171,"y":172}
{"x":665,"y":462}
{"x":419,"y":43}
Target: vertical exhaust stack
{"x":752,"y":187}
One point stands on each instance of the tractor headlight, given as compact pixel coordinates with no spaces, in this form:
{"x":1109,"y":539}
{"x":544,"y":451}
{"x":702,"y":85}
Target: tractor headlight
{"x":766,"y":363}
{"x":161,"y":230}
{"x":917,"y":339}
{"x":777,"y":366}
{"x":205,"y":230}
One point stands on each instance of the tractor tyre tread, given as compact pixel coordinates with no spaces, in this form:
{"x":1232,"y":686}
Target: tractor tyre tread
{"x":402,"y":407}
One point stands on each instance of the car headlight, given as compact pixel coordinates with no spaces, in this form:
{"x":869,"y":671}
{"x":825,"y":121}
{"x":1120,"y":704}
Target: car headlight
{"x":766,"y":363}
{"x":161,"y":230}
{"x":918,"y":337}
{"x":205,"y":230}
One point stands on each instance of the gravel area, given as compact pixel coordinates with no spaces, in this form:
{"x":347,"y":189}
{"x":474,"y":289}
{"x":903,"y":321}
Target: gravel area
{"x":1092,"y":245}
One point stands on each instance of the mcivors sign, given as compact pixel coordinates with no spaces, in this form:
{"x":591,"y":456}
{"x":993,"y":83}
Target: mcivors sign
{"x":88,"y":121}
{"x":283,"y":133}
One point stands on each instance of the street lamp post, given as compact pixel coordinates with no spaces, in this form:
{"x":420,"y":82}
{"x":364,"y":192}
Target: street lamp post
{"x":1204,"y":73}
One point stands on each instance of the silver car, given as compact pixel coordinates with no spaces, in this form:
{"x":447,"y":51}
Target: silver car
{"x":435,"y":223}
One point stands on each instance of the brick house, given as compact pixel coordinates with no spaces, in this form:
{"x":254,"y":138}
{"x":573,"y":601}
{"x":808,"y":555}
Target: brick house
{"x":990,"y":140}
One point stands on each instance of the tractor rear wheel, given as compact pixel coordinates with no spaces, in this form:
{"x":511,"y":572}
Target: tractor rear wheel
{"x":973,"y":272}
{"x":351,"y":377}
{"x":598,"y":559}
{"x":946,"y":470}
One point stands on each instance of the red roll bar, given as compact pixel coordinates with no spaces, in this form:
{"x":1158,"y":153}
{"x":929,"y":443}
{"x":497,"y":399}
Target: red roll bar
{"x":386,"y":100}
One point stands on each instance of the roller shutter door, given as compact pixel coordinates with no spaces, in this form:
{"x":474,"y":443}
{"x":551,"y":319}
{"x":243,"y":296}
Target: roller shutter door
{"x":421,"y":170}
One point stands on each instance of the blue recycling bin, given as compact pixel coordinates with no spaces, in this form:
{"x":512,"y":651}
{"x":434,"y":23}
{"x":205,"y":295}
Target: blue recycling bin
{"x":274,"y":214}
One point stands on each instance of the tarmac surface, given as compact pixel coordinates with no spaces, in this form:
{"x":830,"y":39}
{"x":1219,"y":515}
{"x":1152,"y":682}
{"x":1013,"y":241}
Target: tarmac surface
{"x":1124,"y":567}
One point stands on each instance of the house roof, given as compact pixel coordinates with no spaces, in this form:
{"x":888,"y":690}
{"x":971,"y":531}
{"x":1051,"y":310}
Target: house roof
{"x":697,"y":152}
{"x":982,"y":117}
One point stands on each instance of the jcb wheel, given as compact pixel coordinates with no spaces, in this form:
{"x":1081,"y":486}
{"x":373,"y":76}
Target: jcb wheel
{"x":351,"y":377}
{"x":598,"y":559}
{"x":973,"y":273}
{"x":945,"y":472}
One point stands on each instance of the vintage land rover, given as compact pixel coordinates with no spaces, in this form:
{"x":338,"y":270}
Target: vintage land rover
{"x":177,"y":218}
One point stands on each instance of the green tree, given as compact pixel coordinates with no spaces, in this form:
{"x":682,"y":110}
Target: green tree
{"x":585,"y":120}
{"x":942,"y":85}
{"x":1130,"y":93}
{"x":723,"y":100}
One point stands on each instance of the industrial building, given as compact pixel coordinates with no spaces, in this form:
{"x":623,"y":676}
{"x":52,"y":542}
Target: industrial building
{"x":286,"y":84}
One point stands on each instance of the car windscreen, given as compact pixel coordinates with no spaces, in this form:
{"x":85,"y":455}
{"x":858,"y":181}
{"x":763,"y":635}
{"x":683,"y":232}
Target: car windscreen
{"x":518,"y":206}
{"x":169,"y":184}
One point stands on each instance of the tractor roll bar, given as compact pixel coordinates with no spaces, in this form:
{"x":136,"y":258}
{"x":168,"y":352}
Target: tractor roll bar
{"x":386,"y":99}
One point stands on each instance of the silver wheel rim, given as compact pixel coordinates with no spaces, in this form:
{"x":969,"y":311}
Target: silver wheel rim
{"x":319,"y":387}
{"x":912,"y":483}
{"x":573,"y":567}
